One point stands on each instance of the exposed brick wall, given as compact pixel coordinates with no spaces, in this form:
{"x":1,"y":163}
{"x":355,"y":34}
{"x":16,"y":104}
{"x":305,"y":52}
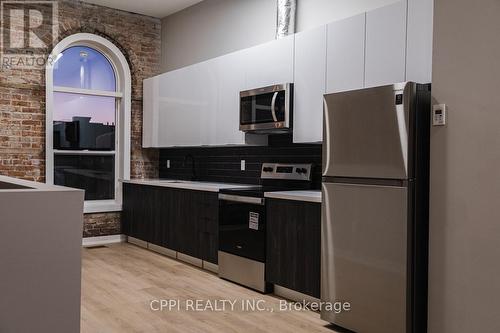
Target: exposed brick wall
{"x":101,"y":224}
{"x":144,"y":162}
{"x":22,"y":98}
{"x":22,"y":133}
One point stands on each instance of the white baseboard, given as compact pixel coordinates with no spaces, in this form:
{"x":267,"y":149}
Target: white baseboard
{"x":103,"y":240}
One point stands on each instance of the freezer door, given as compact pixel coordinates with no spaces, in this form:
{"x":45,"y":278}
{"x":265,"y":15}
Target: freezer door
{"x":366,"y":132}
{"x":363,"y":256}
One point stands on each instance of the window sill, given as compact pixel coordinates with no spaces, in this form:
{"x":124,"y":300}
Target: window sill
{"x":101,"y":206}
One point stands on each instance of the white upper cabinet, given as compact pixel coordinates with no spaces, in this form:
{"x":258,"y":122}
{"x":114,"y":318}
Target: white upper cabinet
{"x":199,"y":104}
{"x":230,"y":81}
{"x":178,"y":118}
{"x":186,"y":106}
{"x":419,"y":41}
{"x":309,"y":87}
{"x":270,"y":63}
{"x":150,"y":112}
{"x":196,"y":105}
{"x":346,"y":54}
{"x":208,"y":99}
{"x":386,"y":45}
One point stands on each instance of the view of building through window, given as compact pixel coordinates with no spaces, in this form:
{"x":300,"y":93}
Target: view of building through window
{"x":84,"y":119}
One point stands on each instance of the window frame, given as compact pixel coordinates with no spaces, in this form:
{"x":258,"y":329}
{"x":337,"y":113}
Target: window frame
{"x":123,"y":115}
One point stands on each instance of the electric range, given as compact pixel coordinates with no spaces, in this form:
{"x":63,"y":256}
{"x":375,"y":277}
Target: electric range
{"x":242,"y":223}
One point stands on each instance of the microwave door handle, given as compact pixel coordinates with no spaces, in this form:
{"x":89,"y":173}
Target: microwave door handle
{"x":273,"y":106}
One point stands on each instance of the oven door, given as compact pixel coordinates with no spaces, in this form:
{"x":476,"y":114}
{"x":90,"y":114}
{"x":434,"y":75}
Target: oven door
{"x":266,"y":108}
{"x":242,"y":226}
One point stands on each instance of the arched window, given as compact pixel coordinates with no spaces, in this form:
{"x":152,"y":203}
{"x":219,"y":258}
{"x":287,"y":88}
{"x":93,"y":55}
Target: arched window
{"x":88,"y":89}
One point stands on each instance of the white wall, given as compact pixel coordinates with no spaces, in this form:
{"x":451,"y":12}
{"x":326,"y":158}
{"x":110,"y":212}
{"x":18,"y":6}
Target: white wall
{"x":213,"y":28}
{"x":216,"y":27}
{"x":464,"y":277}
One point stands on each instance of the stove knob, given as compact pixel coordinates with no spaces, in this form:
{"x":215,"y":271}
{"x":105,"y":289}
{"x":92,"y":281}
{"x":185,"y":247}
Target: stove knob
{"x":301,"y":170}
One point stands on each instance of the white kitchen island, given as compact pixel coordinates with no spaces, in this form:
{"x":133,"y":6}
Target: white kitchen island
{"x":40,"y":257}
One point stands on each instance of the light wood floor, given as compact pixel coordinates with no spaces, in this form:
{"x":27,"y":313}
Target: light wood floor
{"x":120,"y":281}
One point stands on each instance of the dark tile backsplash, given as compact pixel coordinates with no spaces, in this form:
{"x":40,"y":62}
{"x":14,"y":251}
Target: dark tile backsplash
{"x":222,"y":164}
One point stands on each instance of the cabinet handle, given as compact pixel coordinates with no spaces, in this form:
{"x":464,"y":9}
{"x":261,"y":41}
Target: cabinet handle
{"x":239,"y":247}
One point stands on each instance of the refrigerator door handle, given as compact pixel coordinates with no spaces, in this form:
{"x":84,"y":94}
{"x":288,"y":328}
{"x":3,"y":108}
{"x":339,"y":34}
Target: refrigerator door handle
{"x":326,"y":138}
{"x":403,"y":134}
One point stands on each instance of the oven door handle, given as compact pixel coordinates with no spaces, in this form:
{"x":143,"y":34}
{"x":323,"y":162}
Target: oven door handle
{"x":273,"y":106}
{"x":237,"y":198}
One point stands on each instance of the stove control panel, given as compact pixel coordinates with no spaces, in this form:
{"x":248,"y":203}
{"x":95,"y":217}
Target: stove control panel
{"x":286,"y":171}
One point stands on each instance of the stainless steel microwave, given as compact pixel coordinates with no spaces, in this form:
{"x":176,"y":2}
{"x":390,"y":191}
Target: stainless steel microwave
{"x":267,"y":109}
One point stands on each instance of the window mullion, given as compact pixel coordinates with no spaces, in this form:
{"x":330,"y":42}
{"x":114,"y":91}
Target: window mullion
{"x":85,"y":152}
{"x":90,"y":92}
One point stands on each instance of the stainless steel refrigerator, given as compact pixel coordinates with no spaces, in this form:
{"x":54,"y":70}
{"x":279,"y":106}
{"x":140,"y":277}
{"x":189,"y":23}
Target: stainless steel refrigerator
{"x":375,"y":208}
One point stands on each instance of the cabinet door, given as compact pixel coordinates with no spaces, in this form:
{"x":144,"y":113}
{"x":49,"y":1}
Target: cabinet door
{"x":207,"y":100}
{"x":138,"y":211}
{"x":178,"y":107}
{"x":150,"y":112}
{"x":187,"y":105}
{"x":156,"y":222}
{"x":419,"y":41}
{"x":346,"y":54}
{"x":128,"y":209}
{"x":386,"y":45}
{"x":294,"y":245}
{"x":208,"y":222}
{"x":310,"y":67}
{"x":185,"y":216}
{"x":230,"y":80}
{"x":270,"y":63}
{"x":163,"y":227}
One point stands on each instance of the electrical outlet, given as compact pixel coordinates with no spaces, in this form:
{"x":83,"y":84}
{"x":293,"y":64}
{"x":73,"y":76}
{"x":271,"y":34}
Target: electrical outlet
{"x":242,"y":165}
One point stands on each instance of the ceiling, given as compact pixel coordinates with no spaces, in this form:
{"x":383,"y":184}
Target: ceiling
{"x":155,"y":8}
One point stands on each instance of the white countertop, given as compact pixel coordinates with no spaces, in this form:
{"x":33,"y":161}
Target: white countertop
{"x":309,"y":196}
{"x":9,"y":184}
{"x":186,"y":184}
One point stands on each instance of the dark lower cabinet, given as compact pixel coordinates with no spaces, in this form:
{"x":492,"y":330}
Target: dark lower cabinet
{"x":184,"y":217}
{"x":208,"y":222}
{"x":293,"y":253}
{"x":163,"y":223}
{"x":182,"y":220}
{"x":138,"y":214}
